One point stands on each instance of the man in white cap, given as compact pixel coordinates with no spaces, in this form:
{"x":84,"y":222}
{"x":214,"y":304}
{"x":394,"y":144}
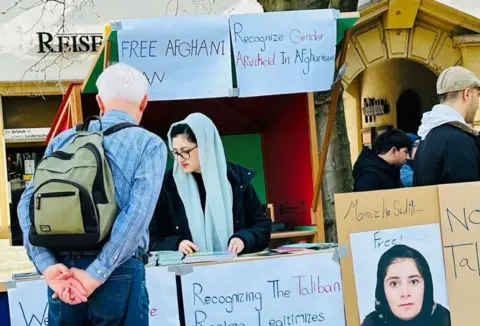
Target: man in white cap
{"x":449,"y":150}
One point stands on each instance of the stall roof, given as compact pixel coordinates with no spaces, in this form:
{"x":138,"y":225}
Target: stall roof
{"x":346,"y":21}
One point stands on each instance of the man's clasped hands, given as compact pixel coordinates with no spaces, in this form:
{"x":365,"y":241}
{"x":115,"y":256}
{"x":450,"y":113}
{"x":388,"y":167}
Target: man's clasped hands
{"x":72,"y":286}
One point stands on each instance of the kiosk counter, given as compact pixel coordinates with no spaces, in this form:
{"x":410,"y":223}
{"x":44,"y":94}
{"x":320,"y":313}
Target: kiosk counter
{"x":286,"y":289}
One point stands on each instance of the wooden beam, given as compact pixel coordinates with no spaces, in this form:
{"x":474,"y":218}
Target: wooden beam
{"x":76,"y":114}
{"x":62,"y":114}
{"x":106,"y":57}
{"x":34,"y":88}
{"x":316,"y":217}
{"x":312,"y":128}
{"x":330,"y":124}
{"x":4,"y":186}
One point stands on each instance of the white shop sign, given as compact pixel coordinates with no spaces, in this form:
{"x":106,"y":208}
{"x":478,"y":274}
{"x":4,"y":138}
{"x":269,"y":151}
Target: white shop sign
{"x":30,"y":133}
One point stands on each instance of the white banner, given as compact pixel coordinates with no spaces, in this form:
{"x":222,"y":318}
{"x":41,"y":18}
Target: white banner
{"x":301,"y":290}
{"x":184,"y":57}
{"x":284,"y":52}
{"x":28,"y":303}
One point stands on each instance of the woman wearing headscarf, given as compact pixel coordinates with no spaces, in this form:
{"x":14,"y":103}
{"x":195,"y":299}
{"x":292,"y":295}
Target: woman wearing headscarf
{"x":404,"y":292}
{"x":207,"y":203}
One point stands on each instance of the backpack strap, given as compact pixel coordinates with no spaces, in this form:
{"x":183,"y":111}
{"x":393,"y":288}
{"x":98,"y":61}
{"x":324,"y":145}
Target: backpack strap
{"x":84,"y":126}
{"x":118,"y":127}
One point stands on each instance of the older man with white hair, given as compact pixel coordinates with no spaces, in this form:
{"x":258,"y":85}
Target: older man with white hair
{"x":107,"y":287}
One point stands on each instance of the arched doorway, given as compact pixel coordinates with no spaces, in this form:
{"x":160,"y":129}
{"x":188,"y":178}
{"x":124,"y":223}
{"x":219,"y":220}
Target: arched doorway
{"x":407,"y":87}
{"x":409,"y":111}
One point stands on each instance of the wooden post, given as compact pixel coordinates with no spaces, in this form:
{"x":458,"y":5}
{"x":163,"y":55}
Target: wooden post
{"x":330,"y":123}
{"x":106,"y":57}
{"x":317,"y":216}
{"x":4,"y":185}
{"x":76,"y":105}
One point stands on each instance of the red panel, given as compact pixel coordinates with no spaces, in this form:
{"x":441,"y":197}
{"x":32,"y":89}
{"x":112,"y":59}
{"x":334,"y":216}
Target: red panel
{"x":283,"y":122}
{"x":56,"y":120}
{"x":287,"y":161}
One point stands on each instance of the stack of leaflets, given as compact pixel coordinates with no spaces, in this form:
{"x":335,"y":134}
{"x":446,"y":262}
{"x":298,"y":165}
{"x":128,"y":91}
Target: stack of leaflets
{"x":200,"y":257}
{"x":168,"y":257}
{"x":26,"y":276}
{"x":290,"y":248}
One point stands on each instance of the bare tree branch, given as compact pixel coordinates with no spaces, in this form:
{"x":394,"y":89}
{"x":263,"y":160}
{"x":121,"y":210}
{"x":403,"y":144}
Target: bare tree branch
{"x":60,"y":9}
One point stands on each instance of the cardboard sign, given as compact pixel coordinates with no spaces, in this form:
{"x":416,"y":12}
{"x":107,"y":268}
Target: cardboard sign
{"x":376,"y":211}
{"x":460,"y":216}
{"x":290,"y":290}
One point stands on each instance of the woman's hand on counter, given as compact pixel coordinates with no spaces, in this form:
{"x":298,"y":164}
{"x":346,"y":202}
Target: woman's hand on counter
{"x":236,"y":245}
{"x":187,"y":247}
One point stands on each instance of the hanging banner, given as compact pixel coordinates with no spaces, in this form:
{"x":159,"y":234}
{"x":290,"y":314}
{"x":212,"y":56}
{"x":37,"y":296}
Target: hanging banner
{"x":292,"y":290}
{"x":183,"y":57}
{"x":284,"y":52}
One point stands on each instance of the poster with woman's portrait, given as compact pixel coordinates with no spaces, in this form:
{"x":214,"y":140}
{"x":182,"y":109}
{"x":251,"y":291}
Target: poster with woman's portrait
{"x":400,"y":276}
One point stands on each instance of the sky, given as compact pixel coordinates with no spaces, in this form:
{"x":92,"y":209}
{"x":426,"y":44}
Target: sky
{"x":24,"y":18}
{"x":471,"y":7}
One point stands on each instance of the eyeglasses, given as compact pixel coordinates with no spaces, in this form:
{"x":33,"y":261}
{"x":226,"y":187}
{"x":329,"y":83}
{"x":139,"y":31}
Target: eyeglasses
{"x":183,"y":154}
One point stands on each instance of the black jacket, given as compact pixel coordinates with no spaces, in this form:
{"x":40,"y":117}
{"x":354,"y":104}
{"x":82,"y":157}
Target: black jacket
{"x":449,"y":154}
{"x":370,"y":172}
{"x":439,"y":317}
{"x":170,"y":224}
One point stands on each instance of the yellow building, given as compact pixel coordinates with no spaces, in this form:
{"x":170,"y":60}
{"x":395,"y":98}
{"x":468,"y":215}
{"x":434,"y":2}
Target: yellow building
{"x":397,"y":50}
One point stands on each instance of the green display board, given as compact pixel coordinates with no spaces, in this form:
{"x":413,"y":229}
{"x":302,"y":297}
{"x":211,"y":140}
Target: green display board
{"x":245,"y":150}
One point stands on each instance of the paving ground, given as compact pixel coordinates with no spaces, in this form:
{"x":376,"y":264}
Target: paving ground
{"x":13,"y":260}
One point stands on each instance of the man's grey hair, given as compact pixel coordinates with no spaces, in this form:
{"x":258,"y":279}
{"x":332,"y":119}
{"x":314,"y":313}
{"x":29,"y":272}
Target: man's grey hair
{"x":122,"y":82}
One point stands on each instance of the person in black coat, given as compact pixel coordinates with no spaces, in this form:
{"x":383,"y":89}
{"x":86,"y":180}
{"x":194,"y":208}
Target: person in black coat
{"x":225,"y":211}
{"x":379,"y":168}
{"x":449,"y":151}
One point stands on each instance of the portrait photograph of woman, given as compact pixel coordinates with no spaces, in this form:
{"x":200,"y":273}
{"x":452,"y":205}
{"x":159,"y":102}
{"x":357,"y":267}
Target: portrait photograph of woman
{"x":404,"y":280}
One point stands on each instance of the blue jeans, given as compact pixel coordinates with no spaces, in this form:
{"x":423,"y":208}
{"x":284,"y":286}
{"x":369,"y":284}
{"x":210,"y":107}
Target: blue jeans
{"x":121,"y":300}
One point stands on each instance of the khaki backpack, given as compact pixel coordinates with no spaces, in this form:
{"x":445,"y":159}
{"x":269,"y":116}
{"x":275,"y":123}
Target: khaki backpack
{"x":73,"y":204}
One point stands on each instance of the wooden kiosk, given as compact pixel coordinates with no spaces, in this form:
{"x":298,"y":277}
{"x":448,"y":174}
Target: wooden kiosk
{"x":273,"y":135}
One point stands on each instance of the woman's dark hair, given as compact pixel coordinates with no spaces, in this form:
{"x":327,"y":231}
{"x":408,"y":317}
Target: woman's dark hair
{"x":183,"y":129}
{"x":389,"y":257}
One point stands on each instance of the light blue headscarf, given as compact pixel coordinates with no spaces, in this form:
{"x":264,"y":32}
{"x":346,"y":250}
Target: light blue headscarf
{"x":210,"y":232}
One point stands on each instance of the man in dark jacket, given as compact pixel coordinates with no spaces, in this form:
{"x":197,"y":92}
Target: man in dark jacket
{"x":379,"y":168}
{"x":449,"y":149}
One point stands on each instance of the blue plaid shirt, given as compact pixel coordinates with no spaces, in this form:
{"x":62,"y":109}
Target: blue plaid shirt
{"x":137,"y":159}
